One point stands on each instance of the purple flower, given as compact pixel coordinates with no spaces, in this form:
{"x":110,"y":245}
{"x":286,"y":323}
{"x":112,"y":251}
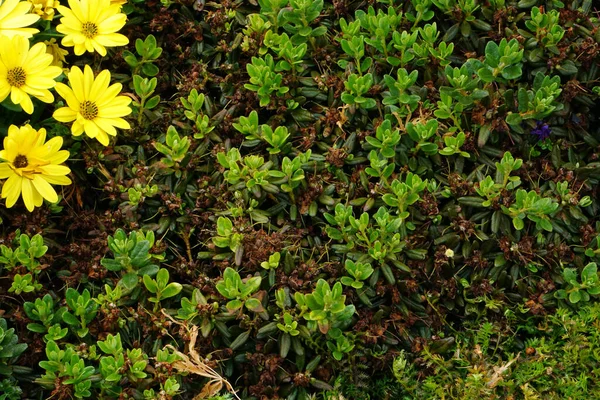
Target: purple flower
{"x":542,"y":130}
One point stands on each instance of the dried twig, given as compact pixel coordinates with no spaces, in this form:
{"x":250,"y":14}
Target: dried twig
{"x":499,"y":371}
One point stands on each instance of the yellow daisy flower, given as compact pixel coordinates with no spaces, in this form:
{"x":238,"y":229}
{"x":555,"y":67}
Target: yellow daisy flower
{"x":95,"y":106}
{"x":26,"y":72}
{"x":32,"y":165}
{"x":14,"y":17}
{"x":92,"y":25}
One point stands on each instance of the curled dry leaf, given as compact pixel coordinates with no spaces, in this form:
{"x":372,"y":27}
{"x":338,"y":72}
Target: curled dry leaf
{"x":192,"y":363}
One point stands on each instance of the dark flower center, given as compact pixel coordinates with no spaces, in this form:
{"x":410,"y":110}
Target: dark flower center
{"x":16,"y":77}
{"x":20,"y":161}
{"x":89,"y":30}
{"x":88,"y":110}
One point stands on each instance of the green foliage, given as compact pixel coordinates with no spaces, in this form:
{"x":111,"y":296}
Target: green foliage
{"x":358,"y":271}
{"x":319,"y":199}
{"x":198,"y":310}
{"x":326,"y":306}
{"x":131,"y":255}
{"x":146,"y":101}
{"x":43,"y":311}
{"x":489,"y":364}
{"x":356,"y":87}
{"x":175,"y":149}
{"x":193,"y":111}
{"x":27,"y":253}
{"x":24,"y":284}
{"x":533,"y":207}
{"x":239,"y":292}
{"x":66,"y":364}
{"x":9,"y":346}
{"x":9,"y":390}
{"x":264,"y":80}
{"x":82,"y":310}
{"x":577,"y":291}
{"x":149,"y":52}
{"x":160,"y":287}
{"x":502,"y":63}
{"x":298,"y":17}
{"x":398,"y":96}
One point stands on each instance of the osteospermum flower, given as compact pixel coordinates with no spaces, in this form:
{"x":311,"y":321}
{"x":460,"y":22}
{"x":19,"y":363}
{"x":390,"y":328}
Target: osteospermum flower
{"x":32,"y":166}
{"x":92,"y":25}
{"x":44,"y":8}
{"x":15,"y":17}
{"x":95,"y":106}
{"x":26,"y":72}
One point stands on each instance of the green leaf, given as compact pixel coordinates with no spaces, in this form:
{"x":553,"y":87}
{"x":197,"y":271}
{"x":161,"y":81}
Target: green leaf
{"x":152,"y":102}
{"x":240,"y":340}
{"x":560,"y":294}
{"x":589,"y":273}
{"x":486,"y":75}
{"x":129,"y":281}
{"x":162,"y":277}
{"x":36,"y":328}
{"x":111,"y":265}
{"x":234,"y":305}
{"x":150,"y":69}
{"x":574,"y":297}
{"x":171,"y":290}
{"x":518,"y":223}
{"x":150,"y":284}
{"x":512,"y":72}
{"x":254,"y":304}
{"x":70,"y":319}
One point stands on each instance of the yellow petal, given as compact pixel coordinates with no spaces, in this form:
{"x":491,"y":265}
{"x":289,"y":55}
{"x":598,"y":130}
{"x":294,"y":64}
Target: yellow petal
{"x":11,"y":190}
{"x":64,"y":114}
{"x":91,"y":129}
{"x":72,"y":99}
{"x":113,"y":23}
{"x":59,"y":157}
{"x":55,"y":170}
{"x":100,"y":85}
{"x":57,"y":180}
{"x":76,"y":81}
{"x":76,"y":9}
{"x":109,"y":94}
{"x":120,"y":123}
{"x":27,"y":194}
{"x":112,"y":39}
{"x":88,"y":81}
{"x":77,"y":128}
{"x":114,"y":112}
{"x":102,"y":138}
{"x":45,"y":189}
{"x":4,"y":90}
{"x":5,"y":171}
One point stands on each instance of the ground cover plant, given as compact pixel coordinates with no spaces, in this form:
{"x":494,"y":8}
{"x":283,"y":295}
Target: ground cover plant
{"x":294,"y":199}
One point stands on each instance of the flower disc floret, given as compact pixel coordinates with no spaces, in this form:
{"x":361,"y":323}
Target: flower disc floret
{"x":31,"y":166}
{"x":26,"y":72}
{"x":15,"y":18}
{"x":92,"y":25}
{"x":95,"y":107}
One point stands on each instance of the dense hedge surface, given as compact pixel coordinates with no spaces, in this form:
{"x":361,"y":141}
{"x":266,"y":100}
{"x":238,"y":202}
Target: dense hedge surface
{"x":303,"y":200}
